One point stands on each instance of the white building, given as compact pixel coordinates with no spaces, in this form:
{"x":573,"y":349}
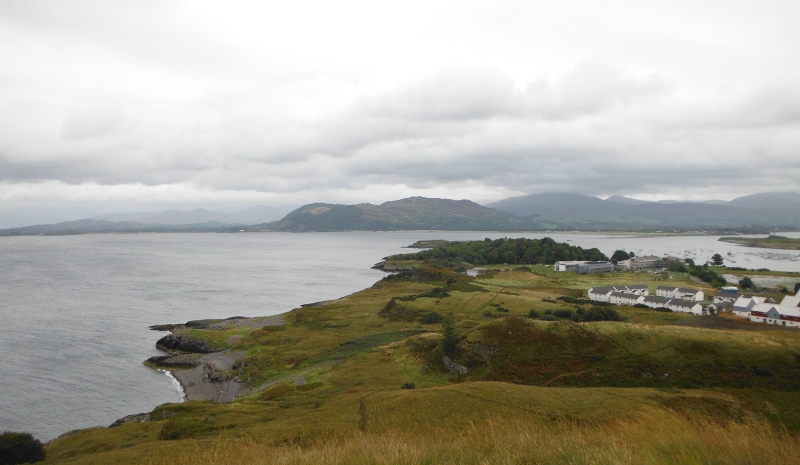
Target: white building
{"x":683,"y":293}
{"x":744,"y":304}
{"x":791,"y":300}
{"x":722,"y":297}
{"x":567,"y":265}
{"x":775,"y":314}
{"x":656,"y":302}
{"x":625,"y":298}
{"x":601,"y":294}
{"x":686,"y":306}
{"x":638,"y":289}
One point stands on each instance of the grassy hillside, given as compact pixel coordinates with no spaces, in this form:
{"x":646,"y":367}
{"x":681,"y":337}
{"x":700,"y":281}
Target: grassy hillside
{"x":363,"y":380}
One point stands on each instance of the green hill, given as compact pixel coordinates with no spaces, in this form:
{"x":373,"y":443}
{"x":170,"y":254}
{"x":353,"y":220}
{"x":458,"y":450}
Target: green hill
{"x":406,"y":214}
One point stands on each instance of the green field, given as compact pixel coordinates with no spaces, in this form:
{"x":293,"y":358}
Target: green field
{"x":647,"y":389}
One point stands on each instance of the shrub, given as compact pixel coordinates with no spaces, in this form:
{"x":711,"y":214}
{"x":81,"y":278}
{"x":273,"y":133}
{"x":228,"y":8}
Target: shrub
{"x":640,"y":306}
{"x":449,"y":340}
{"x":408,"y":385}
{"x":601,"y":314}
{"x":502,"y":309}
{"x":20,"y":448}
{"x":534,"y":314}
{"x":431,"y":318}
{"x":563,"y":313}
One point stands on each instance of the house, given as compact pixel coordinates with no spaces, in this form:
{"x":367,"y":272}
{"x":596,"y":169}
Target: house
{"x":686,"y":306}
{"x":721,"y":297}
{"x":791,"y":300}
{"x":569,"y":265}
{"x":666,"y":291}
{"x":623,"y":264}
{"x":625,"y":298}
{"x":656,"y":302}
{"x":683,"y":293}
{"x":722,"y":306}
{"x":687,"y":293}
{"x":594,"y":267}
{"x":601,"y":294}
{"x":649,"y":262}
{"x":775,"y":314}
{"x":744,"y":304}
{"x":638,"y":289}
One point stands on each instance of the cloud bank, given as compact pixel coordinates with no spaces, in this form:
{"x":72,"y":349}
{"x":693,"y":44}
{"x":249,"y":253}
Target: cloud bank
{"x":116,"y":106}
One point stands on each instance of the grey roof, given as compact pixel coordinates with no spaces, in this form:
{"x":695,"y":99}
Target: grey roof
{"x":638,"y":286}
{"x":667,"y":288}
{"x":728,"y":295}
{"x":688,"y":289}
{"x":656,"y":300}
{"x":602,"y":290}
{"x":625,"y":294}
{"x":683,"y":303}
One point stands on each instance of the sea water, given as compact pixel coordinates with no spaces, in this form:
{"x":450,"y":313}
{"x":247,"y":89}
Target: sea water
{"x":75,"y":310}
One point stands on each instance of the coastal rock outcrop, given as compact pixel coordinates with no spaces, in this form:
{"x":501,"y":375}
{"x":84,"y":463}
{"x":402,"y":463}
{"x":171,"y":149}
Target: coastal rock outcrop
{"x":185,"y":343}
{"x":175,"y":361}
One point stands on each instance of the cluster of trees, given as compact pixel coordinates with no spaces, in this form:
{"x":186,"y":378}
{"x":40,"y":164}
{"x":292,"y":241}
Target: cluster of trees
{"x":18,"y":448}
{"x":511,"y":251}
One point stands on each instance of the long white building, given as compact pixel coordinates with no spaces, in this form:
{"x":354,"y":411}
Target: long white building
{"x":765,"y":310}
{"x":639,"y":294}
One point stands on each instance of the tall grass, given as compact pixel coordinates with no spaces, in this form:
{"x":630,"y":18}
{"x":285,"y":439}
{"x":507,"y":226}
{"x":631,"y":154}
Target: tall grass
{"x":653,"y":436}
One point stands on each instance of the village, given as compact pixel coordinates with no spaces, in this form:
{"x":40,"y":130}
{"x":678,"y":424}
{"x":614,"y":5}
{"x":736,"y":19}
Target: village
{"x":754,"y":308}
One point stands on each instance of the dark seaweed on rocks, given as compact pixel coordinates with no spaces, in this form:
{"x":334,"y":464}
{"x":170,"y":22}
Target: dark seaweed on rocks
{"x":183,"y":343}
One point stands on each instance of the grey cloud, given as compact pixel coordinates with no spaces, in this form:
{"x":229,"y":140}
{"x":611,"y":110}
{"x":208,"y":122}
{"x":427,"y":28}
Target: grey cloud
{"x":479,"y":93}
{"x":91,"y":123}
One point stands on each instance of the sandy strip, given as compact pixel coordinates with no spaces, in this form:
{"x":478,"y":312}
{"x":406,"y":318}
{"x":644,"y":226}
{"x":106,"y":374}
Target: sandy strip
{"x":203,"y":383}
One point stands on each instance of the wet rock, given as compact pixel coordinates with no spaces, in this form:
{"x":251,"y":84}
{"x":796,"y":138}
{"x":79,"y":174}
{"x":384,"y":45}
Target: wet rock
{"x":184,"y":343}
{"x":175,"y":361}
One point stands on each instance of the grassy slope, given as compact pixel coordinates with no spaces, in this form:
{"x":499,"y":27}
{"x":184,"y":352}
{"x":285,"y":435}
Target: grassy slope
{"x":607,"y":394}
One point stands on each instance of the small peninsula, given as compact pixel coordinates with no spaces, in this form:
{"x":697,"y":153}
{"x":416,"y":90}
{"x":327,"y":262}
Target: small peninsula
{"x":769,"y":242}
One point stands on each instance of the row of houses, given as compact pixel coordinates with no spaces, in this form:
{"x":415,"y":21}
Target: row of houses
{"x":764,"y":310}
{"x":684,"y":293}
{"x":640,"y":294}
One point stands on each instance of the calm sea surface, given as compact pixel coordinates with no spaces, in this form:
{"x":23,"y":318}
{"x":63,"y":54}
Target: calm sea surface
{"x":76,"y":309}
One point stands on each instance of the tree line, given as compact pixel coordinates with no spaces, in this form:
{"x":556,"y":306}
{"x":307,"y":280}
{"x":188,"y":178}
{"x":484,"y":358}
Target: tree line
{"x":510,"y":251}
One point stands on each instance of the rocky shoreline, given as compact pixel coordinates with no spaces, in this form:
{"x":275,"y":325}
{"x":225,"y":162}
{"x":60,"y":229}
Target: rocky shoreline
{"x":204,"y":370}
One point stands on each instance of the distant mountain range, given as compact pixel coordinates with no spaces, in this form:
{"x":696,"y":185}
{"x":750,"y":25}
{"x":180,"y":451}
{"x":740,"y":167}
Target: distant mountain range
{"x":769,"y":211}
{"x":199,"y":219}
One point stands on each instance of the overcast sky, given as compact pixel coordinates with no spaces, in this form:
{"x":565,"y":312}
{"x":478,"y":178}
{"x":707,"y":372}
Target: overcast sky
{"x":144,"y":105}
